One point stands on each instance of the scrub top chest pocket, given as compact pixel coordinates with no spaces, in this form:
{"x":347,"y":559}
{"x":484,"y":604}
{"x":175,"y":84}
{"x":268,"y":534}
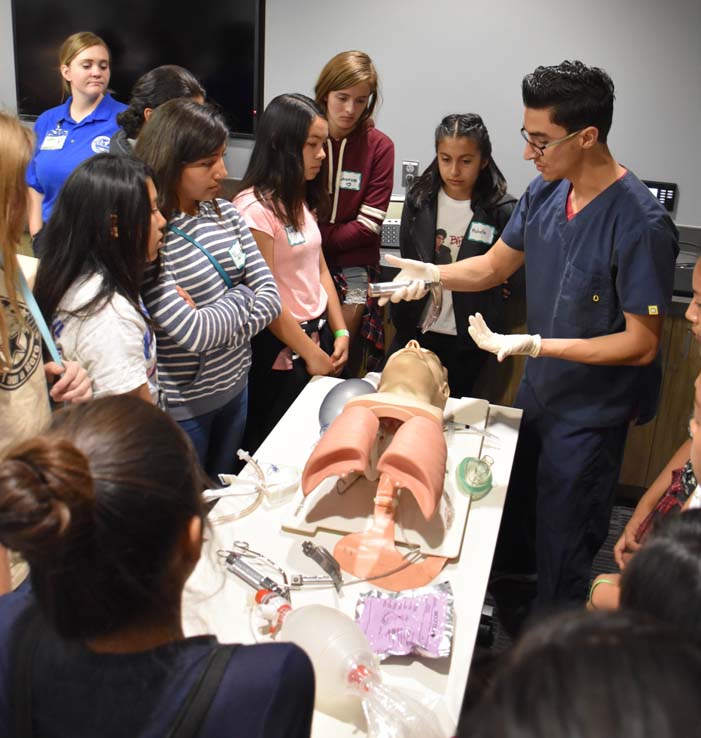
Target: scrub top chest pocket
{"x":584,"y":305}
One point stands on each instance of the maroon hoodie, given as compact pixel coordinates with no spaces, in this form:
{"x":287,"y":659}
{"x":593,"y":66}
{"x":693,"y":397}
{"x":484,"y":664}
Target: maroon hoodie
{"x":358,"y":172}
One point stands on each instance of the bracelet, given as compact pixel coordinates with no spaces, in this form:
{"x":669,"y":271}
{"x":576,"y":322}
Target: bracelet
{"x":594,"y":585}
{"x":341,"y":333}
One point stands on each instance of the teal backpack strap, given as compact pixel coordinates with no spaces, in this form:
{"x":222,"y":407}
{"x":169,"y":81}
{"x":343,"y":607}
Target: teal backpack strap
{"x":213,"y":261}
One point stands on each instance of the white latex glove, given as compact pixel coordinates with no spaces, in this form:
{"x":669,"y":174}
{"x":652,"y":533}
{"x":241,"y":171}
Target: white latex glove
{"x":418,"y":272}
{"x":500,"y":344}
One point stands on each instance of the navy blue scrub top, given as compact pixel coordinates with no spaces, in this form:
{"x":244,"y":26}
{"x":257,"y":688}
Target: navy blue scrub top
{"x":616,"y":255}
{"x":62,"y":144}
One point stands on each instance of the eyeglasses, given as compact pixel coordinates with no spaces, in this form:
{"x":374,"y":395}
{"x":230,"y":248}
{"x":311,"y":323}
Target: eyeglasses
{"x":540,"y":150}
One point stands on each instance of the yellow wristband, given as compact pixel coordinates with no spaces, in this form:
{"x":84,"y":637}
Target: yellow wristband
{"x":341,"y":332}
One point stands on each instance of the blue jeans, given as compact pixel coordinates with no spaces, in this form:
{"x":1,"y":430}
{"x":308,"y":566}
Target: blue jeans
{"x":217,"y":435}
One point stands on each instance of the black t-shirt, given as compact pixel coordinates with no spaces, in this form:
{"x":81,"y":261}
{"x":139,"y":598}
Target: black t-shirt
{"x":267,"y":690}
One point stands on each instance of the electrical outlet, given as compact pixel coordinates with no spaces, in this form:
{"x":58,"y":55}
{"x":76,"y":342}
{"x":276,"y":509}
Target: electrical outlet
{"x":410,"y":171}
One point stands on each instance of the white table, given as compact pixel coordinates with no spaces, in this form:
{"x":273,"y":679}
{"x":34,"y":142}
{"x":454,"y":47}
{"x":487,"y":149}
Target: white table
{"x":216,"y":601}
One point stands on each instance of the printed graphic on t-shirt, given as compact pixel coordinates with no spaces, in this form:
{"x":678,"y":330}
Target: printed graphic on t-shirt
{"x":100,"y":144}
{"x":442,"y":250}
{"x":25,"y":347}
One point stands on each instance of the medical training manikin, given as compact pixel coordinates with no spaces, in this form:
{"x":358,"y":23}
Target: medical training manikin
{"x":395,"y":437}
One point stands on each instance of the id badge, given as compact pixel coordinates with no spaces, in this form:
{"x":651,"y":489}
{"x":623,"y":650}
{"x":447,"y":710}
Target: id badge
{"x":481,"y":232}
{"x":54,"y":140}
{"x":350,"y":181}
{"x":294,"y":238}
{"x":238,"y":255}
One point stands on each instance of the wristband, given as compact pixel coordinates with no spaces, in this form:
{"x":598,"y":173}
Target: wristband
{"x":594,"y":585}
{"x":341,"y":333}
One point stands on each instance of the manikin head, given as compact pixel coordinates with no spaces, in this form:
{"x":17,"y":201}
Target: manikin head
{"x":418,"y":374}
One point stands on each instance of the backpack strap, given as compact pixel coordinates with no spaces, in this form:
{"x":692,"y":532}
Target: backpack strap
{"x":198,"y":700}
{"x":27,"y":634}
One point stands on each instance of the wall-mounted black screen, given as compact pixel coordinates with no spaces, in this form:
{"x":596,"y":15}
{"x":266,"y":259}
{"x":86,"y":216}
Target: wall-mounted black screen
{"x":219,"y":41}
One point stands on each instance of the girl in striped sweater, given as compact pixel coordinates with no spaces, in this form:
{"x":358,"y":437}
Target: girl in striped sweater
{"x":211,"y":291}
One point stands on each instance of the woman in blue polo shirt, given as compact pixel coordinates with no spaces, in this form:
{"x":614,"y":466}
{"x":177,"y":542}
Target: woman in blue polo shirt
{"x":76,"y":129}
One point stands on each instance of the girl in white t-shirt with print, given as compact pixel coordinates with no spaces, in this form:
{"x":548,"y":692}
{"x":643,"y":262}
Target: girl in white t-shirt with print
{"x":456,"y":209}
{"x":105,"y":228}
{"x":281,"y":197}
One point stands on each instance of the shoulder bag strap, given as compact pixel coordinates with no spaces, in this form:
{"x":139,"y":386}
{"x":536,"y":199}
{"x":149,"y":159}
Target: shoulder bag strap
{"x":213,"y":261}
{"x":199,"y":699}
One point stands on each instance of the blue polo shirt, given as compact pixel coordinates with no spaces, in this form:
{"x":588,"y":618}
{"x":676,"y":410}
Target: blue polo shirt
{"x":616,"y":255}
{"x":61,"y":144}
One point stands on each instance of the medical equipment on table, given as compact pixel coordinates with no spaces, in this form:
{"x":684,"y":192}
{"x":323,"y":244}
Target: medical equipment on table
{"x":474,"y":476}
{"x":420,"y":621}
{"x":460,"y":427}
{"x":237,"y":562}
{"x":336,"y":398}
{"x":326,"y":561}
{"x":236,"y":565}
{"x":272,"y":484}
{"x":344,"y":664}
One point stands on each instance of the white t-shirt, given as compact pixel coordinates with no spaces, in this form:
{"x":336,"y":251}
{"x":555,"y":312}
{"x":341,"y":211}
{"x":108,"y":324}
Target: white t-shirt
{"x":24,"y":397}
{"x":453,"y":217}
{"x":115,"y":345}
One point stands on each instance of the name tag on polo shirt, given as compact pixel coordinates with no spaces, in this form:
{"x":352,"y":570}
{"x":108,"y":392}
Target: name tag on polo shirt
{"x":294,"y":238}
{"x":54,"y":140}
{"x":481,"y":232}
{"x":350,"y":180}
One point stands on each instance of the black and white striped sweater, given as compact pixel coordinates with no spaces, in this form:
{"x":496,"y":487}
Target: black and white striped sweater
{"x":204,"y":354}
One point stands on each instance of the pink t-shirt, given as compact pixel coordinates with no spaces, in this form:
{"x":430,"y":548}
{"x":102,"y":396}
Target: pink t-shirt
{"x":296,"y":256}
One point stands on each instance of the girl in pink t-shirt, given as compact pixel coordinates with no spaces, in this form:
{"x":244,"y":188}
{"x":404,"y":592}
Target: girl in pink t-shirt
{"x":280,"y":198}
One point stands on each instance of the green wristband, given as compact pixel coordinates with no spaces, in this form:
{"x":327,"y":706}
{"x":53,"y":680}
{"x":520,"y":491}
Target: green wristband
{"x":594,"y":585}
{"x":341,"y":333}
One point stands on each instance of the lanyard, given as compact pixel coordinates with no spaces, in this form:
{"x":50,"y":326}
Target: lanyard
{"x":213,"y":261}
{"x":31,"y":303}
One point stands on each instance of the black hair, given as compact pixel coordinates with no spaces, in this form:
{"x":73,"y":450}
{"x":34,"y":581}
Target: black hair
{"x":276,"y":167}
{"x":579,"y":96}
{"x":591,"y":675}
{"x":100,"y":224}
{"x":663,"y":579}
{"x":441,"y":232}
{"x":178,"y":133}
{"x":97,"y":505}
{"x":490,"y":186}
{"x":153,"y":89}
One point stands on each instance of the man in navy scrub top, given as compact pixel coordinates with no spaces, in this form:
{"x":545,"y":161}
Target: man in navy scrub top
{"x":599,"y":252}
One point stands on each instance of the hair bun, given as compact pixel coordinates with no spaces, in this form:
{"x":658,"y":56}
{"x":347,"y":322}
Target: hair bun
{"x":46,"y":495}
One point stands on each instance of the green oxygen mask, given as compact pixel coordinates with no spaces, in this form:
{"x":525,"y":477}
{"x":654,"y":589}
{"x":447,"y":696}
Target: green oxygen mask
{"x":474,"y":476}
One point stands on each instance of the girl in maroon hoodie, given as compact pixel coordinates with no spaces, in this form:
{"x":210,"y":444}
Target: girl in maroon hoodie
{"x":358,"y":174}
